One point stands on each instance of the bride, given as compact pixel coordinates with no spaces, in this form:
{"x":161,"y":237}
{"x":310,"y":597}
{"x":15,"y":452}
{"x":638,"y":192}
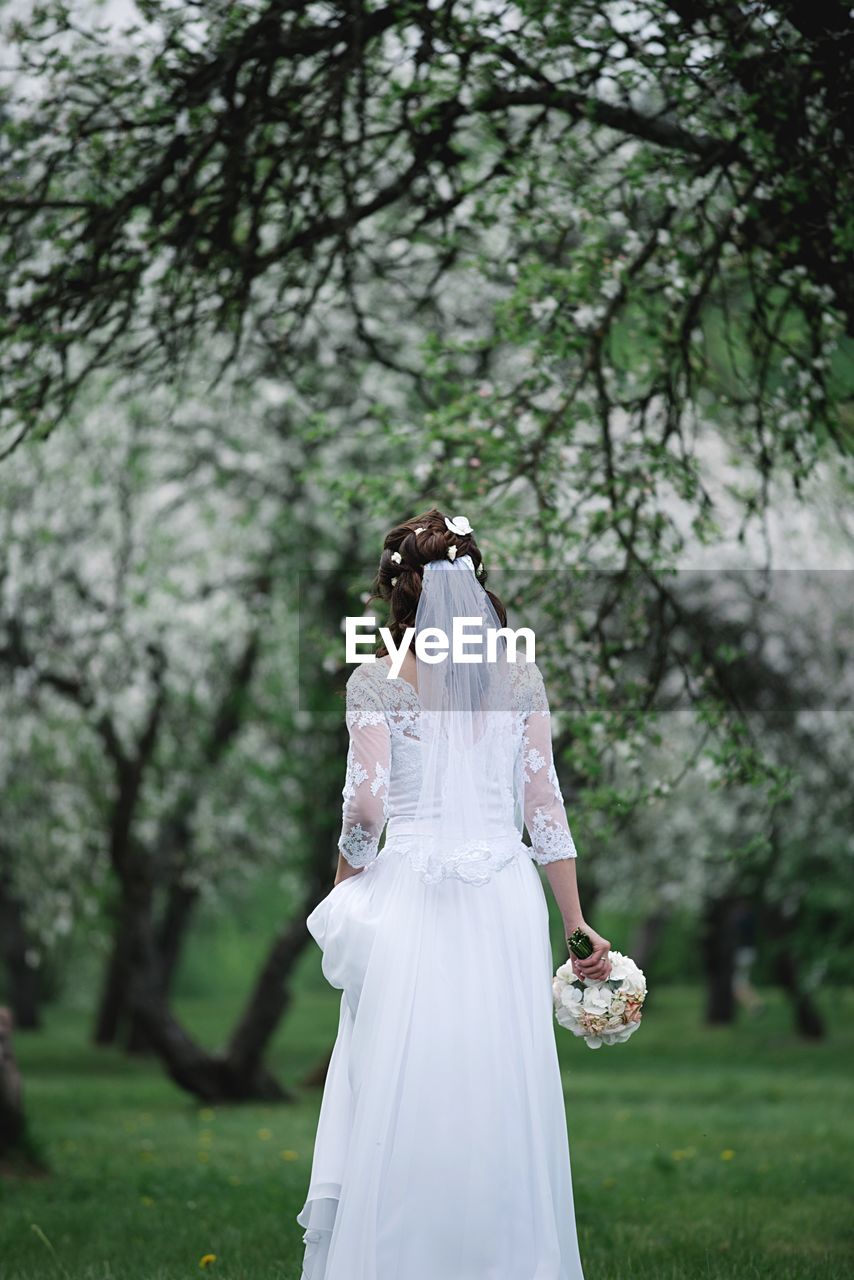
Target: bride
{"x":441,"y":1150}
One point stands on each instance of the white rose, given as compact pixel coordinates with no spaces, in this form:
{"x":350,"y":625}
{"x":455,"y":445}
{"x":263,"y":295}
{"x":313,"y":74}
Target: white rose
{"x":597,"y":999}
{"x":633,"y":985}
{"x":620,"y":965}
{"x":570,"y":998}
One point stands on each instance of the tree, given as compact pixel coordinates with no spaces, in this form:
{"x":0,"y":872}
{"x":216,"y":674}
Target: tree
{"x":782,"y":847}
{"x":669,"y":168}
{"x":135,"y":626}
{"x":552,"y":261}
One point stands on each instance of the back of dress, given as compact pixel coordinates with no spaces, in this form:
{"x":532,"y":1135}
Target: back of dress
{"x":384,"y":776}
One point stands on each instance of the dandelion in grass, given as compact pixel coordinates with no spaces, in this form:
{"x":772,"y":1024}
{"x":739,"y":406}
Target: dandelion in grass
{"x":265,"y":1135}
{"x":207,"y":1259}
{"x":287,"y":1154}
{"x":727,"y":1154}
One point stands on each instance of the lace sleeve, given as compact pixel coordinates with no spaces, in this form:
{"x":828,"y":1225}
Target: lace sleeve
{"x":545,"y":815}
{"x":365,"y":791}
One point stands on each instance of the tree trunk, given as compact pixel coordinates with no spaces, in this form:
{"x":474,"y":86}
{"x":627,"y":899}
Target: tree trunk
{"x":238,"y":1074}
{"x":808,"y":1020}
{"x":15,"y":942}
{"x":170,"y":942}
{"x":208,"y":1076}
{"x":175,"y":835}
{"x":718,"y":942}
{"x":173,"y":931}
{"x":11,"y":1094}
{"x":113,"y":1005}
{"x":647,"y":936}
{"x":272,"y":993}
{"x":315,"y":1077}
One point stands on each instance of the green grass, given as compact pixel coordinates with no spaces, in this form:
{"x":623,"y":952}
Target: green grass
{"x":144,"y":1182}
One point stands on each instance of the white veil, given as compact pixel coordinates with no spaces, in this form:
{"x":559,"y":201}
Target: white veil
{"x":467,"y":816}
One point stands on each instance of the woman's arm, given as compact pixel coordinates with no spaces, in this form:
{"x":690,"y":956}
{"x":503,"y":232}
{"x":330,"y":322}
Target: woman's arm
{"x":365,"y":791}
{"x":552,"y":845}
{"x":344,"y":869}
{"x":564,"y":886}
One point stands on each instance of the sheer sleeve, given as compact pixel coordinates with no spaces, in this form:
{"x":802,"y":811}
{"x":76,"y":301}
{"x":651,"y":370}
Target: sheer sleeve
{"x":545,"y":814}
{"x":365,"y":790}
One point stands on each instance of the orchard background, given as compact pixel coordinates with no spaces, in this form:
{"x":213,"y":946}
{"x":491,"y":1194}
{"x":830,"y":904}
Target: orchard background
{"x":275,"y":277}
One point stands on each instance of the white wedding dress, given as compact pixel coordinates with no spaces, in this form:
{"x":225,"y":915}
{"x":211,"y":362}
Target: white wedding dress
{"x":441,"y":1150}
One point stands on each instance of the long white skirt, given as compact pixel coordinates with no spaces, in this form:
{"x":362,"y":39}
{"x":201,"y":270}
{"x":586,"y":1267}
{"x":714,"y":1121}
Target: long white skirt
{"x":441,"y":1150}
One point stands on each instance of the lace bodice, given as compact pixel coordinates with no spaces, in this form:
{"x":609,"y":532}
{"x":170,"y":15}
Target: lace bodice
{"x":383,"y":769}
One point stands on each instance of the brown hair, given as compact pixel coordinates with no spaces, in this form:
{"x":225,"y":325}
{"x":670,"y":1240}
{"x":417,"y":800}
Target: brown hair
{"x":416,"y":550}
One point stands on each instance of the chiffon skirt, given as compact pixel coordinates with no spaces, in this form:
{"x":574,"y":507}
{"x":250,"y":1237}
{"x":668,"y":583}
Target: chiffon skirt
{"x":441,"y":1150}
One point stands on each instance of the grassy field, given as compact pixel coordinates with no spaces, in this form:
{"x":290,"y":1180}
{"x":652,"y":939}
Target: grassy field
{"x":696,"y":1153}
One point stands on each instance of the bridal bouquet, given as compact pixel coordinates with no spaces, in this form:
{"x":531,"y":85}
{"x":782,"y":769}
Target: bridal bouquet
{"x":603,"y":1012}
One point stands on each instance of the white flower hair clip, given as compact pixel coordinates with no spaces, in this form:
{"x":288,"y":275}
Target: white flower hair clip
{"x":459,"y":525}
{"x":452,"y":553}
{"x":394,"y":582}
{"x":420,"y":529}
{"x":397,"y":557}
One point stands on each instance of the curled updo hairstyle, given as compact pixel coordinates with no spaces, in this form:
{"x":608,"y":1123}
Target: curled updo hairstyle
{"x":416,"y":550}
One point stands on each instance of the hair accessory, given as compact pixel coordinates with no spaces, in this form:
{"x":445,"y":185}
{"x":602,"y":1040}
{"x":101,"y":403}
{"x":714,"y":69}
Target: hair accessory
{"x":459,"y":525}
{"x":397,"y":557}
{"x":420,"y":529}
{"x":394,"y":582}
{"x":452,"y":553}
{"x":480,"y":569}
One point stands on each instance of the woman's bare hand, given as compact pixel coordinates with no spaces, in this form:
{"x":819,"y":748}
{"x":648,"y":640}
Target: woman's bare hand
{"x":597,"y":965}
